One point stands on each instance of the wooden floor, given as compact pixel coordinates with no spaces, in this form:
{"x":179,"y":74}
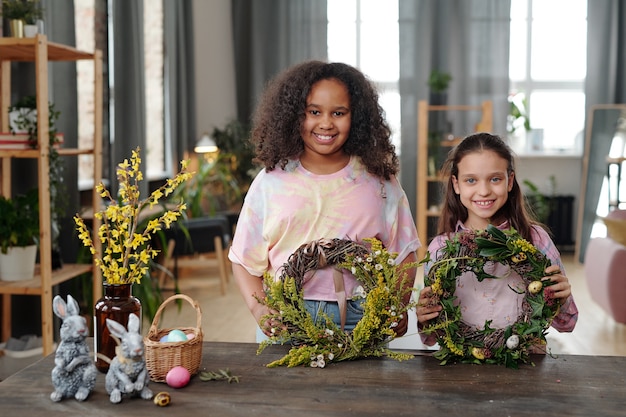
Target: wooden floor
{"x":226,"y":318}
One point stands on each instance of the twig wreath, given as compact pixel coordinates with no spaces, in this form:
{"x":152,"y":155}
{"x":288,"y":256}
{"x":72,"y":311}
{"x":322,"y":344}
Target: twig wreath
{"x":317,"y":343}
{"x":470,"y":251}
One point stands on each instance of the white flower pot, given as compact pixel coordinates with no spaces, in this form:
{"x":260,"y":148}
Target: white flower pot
{"x":30,"y":31}
{"x":24,"y":113}
{"x":18,"y":263}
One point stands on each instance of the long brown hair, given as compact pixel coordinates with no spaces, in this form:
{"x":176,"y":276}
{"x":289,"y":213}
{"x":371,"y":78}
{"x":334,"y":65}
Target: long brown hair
{"x":515,"y":210}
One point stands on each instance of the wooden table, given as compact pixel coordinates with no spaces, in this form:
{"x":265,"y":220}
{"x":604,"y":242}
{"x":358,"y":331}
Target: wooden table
{"x":561,"y":386}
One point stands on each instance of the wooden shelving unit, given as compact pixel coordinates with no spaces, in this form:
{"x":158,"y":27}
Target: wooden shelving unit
{"x":41,"y":52}
{"x":428,"y":203}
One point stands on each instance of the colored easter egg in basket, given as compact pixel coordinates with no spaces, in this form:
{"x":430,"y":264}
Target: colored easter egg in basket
{"x":163,"y":339}
{"x":176,"y":335}
{"x":177,"y":377}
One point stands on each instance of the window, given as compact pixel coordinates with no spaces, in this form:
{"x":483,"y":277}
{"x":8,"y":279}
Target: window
{"x":548,"y":67}
{"x":356,"y":37}
{"x":85,"y":16}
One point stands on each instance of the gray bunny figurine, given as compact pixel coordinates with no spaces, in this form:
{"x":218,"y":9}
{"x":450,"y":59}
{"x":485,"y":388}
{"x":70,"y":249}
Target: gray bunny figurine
{"x":127,"y":372}
{"x":74,"y":373}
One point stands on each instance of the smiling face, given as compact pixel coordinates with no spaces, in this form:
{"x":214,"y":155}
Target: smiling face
{"x":483,"y":185}
{"x":326,"y":127}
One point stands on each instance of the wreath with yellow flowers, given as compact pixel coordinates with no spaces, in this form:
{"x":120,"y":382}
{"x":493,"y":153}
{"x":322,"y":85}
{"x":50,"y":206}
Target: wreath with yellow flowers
{"x":384,"y":285}
{"x":471,"y":251}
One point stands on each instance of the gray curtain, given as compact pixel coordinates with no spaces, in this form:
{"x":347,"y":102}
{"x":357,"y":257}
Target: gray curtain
{"x":270,"y":36}
{"x":180,"y":107}
{"x":64,"y":94}
{"x":127,"y":83}
{"x":468,"y":39}
{"x":605,"y":84}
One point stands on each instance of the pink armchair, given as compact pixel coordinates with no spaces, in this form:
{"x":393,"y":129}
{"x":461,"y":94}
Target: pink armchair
{"x":605,"y":267}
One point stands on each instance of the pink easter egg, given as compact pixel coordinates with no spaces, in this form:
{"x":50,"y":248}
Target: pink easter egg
{"x":190,"y":336}
{"x":177,"y":377}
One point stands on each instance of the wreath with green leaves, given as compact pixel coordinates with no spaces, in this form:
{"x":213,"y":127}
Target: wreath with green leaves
{"x":317,"y":343}
{"x":470,"y":250}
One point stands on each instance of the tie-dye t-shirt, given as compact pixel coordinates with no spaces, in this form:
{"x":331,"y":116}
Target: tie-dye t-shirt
{"x":284,"y":209}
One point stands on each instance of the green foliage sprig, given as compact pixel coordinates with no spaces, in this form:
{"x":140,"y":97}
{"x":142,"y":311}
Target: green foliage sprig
{"x":222,"y":374}
{"x":470,"y":251}
{"x":383,"y":285}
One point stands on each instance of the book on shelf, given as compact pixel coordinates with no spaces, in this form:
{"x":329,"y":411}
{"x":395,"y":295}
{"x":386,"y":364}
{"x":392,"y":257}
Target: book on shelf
{"x":23,"y":141}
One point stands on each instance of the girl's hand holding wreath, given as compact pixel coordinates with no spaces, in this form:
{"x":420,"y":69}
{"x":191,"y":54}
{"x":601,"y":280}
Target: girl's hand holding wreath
{"x":560,"y":287}
{"x":427,"y":306}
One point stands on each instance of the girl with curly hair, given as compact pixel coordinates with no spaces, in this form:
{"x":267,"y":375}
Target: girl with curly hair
{"x":330,"y":172}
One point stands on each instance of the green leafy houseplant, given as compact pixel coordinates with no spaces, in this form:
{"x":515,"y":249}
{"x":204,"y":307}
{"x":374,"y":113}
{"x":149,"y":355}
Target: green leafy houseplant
{"x":26,"y":120}
{"x":19,"y":220}
{"x":27,"y":10}
{"x":34,"y":12}
{"x":439,"y":81}
{"x":438,"y":126}
{"x":518,"y":113}
{"x":221,"y":180}
{"x":540,"y":204}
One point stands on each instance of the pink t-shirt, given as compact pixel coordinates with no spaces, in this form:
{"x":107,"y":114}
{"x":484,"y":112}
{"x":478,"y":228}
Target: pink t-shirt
{"x":284,"y":209}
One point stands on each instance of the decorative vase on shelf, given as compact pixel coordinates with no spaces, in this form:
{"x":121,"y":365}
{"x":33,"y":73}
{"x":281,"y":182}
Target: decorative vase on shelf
{"x":16,"y":27}
{"x":116,"y":304}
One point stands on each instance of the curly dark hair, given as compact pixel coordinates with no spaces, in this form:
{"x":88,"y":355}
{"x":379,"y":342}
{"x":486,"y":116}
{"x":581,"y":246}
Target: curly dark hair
{"x":281,"y":112}
{"x":515,"y":210}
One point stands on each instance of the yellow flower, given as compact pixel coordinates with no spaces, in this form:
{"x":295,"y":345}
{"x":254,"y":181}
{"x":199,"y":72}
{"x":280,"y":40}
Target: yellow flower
{"x":126,"y":250}
{"x":525,"y":245}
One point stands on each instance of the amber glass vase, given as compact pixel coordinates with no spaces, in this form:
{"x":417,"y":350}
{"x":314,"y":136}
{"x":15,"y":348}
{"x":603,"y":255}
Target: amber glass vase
{"x":116,"y":304}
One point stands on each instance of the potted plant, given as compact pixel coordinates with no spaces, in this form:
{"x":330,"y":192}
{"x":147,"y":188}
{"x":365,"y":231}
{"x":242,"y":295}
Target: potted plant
{"x":23,"y":118}
{"x":438,"y":81}
{"x":438,"y":125}
{"x":19,"y":13}
{"x":540,"y":204}
{"x":34,"y":14}
{"x":518,"y":113}
{"x":222,"y":179}
{"x":19,"y":233}
{"x":126,"y":251}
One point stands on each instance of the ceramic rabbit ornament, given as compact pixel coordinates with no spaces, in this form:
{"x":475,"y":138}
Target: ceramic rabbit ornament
{"x":74,"y":373}
{"x":127,"y":372}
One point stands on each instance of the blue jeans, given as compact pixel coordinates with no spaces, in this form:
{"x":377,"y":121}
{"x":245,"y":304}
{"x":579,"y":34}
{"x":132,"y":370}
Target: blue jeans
{"x":354,"y":311}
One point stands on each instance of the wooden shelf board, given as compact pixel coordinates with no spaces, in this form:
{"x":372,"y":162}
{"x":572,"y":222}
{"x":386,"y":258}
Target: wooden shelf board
{"x":33,"y":286}
{"x":23,"y":50}
{"x":34,"y":153}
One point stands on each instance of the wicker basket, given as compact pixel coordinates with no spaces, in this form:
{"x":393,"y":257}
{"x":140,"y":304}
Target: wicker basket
{"x":161,"y":357}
